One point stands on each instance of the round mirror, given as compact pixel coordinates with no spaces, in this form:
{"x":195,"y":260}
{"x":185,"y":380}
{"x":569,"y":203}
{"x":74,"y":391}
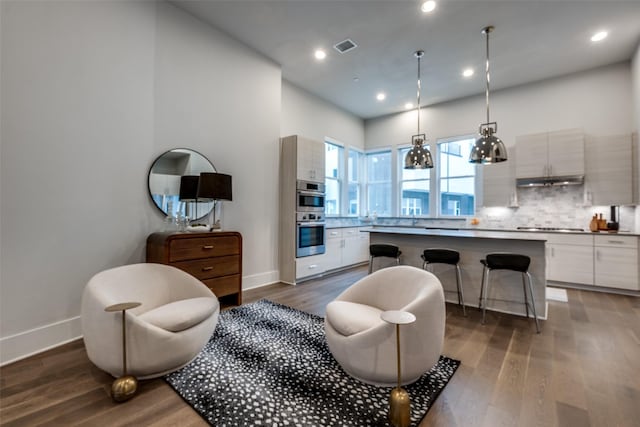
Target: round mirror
{"x":173,"y":183}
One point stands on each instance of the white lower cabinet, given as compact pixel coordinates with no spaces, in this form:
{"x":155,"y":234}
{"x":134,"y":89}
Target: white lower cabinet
{"x":333,"y":248}
{"x":345,"y":247}
{"x":310,"y":266}
{"x":570,"y":258}
{"x":616,"y":262}
{"x":355,"y":249}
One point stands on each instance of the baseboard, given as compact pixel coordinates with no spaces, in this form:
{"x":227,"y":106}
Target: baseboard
{"x":34,"y":341}
{"x":259,"y":280}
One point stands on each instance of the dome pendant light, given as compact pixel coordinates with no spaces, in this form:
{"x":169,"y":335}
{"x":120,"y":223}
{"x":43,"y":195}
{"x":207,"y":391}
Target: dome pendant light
{"x":418,"y":156}
{"x":488,"y":148}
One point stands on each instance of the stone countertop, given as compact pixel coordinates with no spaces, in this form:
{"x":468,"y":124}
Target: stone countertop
{"x":501,"y":230}
{"x":465,"y":233}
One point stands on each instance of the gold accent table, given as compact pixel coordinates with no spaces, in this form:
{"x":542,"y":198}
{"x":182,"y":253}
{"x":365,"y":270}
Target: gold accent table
{"x":399,"y":402}
{"x":124,"y":387}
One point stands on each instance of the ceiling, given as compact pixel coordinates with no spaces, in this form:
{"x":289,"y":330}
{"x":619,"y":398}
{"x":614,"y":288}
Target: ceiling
{"x":533,"y":40}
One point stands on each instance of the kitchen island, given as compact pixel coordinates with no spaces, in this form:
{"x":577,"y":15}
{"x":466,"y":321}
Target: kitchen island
{"x":505,"y":290}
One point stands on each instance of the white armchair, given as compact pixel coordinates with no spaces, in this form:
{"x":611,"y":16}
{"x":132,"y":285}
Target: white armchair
{"x":365,"y":346}
{"x":176,"y":319}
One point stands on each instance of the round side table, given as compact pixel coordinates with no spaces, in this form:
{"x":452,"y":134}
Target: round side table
{"x":399,"y":402}
{"x":124,"y":387}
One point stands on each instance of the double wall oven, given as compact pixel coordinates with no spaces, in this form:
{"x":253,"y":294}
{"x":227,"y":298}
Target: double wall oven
{"x":310,"y":223}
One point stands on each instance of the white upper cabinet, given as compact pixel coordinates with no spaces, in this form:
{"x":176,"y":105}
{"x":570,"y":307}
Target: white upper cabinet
{"x":558,"y":153}
{"x":499,"y":184}
{"x":609,"y":174}
{"x":310,"y":160}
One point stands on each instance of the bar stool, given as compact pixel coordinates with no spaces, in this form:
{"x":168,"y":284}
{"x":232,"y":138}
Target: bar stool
{"x":513,"y":262}
{"x":383,"y":250}
{"x":449,"y":257}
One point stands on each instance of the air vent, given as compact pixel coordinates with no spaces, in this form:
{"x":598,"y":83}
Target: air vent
{"x":345,"y":46}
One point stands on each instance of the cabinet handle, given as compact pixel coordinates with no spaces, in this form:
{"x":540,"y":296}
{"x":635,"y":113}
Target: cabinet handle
{"x":312,"y":266}
{"x":207,"y":247}
{"x":617,"y":242}
{"x":334,"y":233}
{"x":207,"y":268}
{"x":553,"y":252}
{"x":597,"y":255}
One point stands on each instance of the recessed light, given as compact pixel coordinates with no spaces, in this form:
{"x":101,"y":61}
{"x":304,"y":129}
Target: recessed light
{"x":356,"y":79}
{"x":408,"y":105}
{"x":428,"y":6}
{"x":468,"y":72}
{"x":320,"y":54}
{"x":601,"y":35}
{"x":381,"y":96}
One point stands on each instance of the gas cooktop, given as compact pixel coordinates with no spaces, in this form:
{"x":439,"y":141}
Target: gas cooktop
{"x":549,"y":229}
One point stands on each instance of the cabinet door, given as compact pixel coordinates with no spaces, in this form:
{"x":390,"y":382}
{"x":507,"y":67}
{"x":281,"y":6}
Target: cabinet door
{"x":566,"y":153}
{"x":310,"y":160}
{"x":356,"y":247}
{"x":608,"y":170}
{"x":570,"y":263}
{"x":531,"y":156}
{"x":310,"y":266}
{"x":498,"y":184}
{"x":617,"y":267}
{"x":333,"y":249}
{"x":616,"y":261}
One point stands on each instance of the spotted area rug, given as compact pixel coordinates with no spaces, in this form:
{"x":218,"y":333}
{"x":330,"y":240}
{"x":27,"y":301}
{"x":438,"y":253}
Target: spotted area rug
{"x":269,"y":365}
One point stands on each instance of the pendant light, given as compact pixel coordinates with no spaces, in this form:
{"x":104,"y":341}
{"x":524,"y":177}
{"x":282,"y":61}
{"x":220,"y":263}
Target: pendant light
{"x":488,"y":148}
{"x":418,"y":156}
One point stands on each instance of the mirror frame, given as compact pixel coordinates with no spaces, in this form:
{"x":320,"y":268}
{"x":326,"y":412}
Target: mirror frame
{"x":190,"y":151}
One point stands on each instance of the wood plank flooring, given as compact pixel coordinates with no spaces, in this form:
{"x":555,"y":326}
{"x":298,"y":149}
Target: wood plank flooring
{"x":582,"y":370}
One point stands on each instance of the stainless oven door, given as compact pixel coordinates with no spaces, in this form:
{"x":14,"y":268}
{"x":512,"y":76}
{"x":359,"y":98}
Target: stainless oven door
{"x":310,"y":238}
{"x":310,"y":201}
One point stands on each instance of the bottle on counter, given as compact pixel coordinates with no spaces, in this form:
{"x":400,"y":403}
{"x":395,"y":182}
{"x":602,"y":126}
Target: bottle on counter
{"x":602,"y":223}
{"x":593,"y":225}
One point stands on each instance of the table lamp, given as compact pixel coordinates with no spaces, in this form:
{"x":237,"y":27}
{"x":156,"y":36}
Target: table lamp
{"x":214,"y":186}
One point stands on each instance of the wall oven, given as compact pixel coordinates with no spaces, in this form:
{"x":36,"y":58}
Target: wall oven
{"x":310,"y":234}
{"x":310,"y":196}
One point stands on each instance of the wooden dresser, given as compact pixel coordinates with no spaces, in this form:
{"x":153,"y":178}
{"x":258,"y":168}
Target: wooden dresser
{"x":215,"y":258}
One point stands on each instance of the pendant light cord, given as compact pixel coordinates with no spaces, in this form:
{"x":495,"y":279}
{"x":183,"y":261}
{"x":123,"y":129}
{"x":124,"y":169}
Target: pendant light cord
{"x":419,"y":87}
{"x":487,"y":31}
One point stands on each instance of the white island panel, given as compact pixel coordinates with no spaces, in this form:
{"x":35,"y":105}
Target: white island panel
{"x":505,"y":289}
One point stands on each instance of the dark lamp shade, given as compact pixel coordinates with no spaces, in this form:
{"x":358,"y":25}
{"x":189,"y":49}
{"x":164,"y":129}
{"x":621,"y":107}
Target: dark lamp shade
{"x":488,"y":149}
{"x":214,"y":186}
{"x":418,"y":157}
{"x":188,"y":188}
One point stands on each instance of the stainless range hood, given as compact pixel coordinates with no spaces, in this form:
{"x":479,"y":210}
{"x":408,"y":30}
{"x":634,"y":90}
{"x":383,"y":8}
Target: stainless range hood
{"x":547,"y":181}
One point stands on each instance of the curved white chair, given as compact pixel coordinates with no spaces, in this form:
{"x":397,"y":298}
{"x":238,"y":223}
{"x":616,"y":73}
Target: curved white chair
{"x":365,"y":346}
{"x":176,"y":319}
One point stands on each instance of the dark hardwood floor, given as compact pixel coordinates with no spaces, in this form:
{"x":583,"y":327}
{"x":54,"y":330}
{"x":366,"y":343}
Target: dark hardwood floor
{"x":582,"y":370}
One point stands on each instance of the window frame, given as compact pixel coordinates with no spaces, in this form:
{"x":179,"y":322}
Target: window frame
{"x":392,"y":207}
{"x":438,"y":178}
{"x":360,"y":181}
{"x":339,"y":179}
{"x":400,"y":181}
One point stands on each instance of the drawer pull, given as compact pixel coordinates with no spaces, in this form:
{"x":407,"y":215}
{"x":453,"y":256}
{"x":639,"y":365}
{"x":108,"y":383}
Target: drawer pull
{"x":618,"y":242}
{"x":207,"y":247}
{"x":312,"y":266}
{"x":207,"y":268}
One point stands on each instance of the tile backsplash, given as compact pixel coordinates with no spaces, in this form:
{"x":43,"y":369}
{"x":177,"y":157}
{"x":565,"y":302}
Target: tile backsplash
{"x":561,"y":207}
{"x":552,"y":207}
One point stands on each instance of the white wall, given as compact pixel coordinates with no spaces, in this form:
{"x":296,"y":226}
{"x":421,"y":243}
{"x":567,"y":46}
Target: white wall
{"x":307,"y":115}
{"x":92,"y":92}
{"x":599,"y":101}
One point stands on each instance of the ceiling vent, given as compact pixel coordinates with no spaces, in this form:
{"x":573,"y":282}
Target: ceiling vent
{"x":345,"y":46}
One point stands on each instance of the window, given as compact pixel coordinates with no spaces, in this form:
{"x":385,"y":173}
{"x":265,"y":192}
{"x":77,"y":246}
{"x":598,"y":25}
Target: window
{"x":379,"y":183}
{"x":333,"y":178}
{"x":414,"y":188}
{"x":354,"y":167}
{"x":457,"y":177}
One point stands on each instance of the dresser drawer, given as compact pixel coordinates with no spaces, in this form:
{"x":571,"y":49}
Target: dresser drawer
{"x":208,"y":268}
{"x":202,"y":247}
{"x":222,"y":286}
